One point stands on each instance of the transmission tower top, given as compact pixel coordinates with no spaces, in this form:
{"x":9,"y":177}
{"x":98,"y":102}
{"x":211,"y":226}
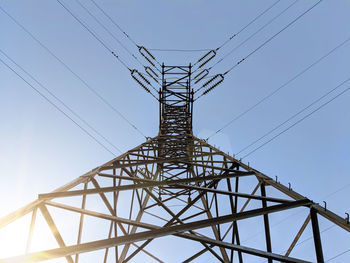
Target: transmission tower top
{"x":176,"y":102}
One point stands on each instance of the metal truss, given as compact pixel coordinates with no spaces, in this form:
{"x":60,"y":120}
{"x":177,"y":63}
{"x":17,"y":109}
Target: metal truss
{"x":172,"y":187}
{"x":215,"y":177}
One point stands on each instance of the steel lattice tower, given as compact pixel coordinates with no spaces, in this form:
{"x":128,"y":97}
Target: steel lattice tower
{"x":174,"y":187}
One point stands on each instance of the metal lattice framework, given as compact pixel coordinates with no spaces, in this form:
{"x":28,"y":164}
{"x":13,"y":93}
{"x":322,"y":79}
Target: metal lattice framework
{"x":175,"y":187}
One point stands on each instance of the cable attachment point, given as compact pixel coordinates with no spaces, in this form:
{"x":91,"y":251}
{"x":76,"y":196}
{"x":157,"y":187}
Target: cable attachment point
{"x":201,"y":75}
{"x":215,"y":81}
{"x":150,"y":72}
{"x":140,"y":79}
{"x":206,"y":58}
{"x":147,"y":55}
{"x":233,"y":36}
{"x":114,"y":54}
{"x":239,"y":62}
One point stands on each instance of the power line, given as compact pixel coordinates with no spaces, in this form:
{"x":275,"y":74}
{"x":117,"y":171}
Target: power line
{"x":94,"y":35}
{"x":238,"y":46}
{"x":59,"y":109}
{"x":213,"y":51}
{"x":324,"y":230}
{"x":64,"y":104}
{"x":338,"y":190}
{"x":297,"y":213}
{"x":281,"y":87}
{"x":338,"y":255}
{"x":120,"y":29}
{"x":247,"y":25}
{"x":109,"y":32}
{"x":71,"y":71}
{"x":271,"y":38}
{"x":258,"y":48}
{"x":115,"y":23}
{"x":297,"y":122}
{"x":252,"y":35}
{"x":293,"y":116}
{"x":307,"y":239}
{"x":116,"y":39}
{"x":99,"y":40}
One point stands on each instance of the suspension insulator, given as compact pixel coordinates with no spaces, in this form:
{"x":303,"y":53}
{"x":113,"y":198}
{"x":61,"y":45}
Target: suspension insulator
{"x":206,"y":58}
{"x":207,"y":54}
{"x":201,"y":75}
{"x":144,"y":79}
{"x":212,"y":87}
{"x":152,"y":73}
{"x":213,"y":82}
{"x":136,"y":75}
{"x":210,"y":81}
{"x":147,"y":55}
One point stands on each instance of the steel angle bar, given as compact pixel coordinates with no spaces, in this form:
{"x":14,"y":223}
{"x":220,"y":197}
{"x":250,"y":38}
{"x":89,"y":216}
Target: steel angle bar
{"x":101,"y":215}
{"x":271,"y":199}
{"x":35,"y":204}
{"x":164,"y":231}
{"x":247,"y":250}
{"x":138,"y":186}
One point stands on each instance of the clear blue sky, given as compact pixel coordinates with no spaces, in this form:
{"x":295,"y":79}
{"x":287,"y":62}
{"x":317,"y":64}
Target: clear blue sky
{"x":41,"y":149}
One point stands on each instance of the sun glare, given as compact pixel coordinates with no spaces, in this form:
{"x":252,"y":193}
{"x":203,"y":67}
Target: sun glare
{"x":14,"y":237}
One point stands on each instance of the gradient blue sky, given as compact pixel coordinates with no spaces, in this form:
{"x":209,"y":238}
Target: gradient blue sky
{"x":41,"y":149}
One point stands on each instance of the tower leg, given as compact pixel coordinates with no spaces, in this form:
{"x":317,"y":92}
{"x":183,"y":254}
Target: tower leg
{"x":317,"y":237}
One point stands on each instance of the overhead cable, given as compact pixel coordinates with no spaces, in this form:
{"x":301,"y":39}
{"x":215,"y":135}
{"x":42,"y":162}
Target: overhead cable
{"x":305,"y":240}
{"x":294,"y":214}
{"x":247,"y":25}
{"x":94,"y":35}
{"x":281,"y":87}
{"x":213,"y":51}
{"x":115,"y":110}
{"x":297,"y":122}
{"x":207,"y":57}
{"x":62,"y":102}
{"x":59,"y":109}
{"x":113,"y":22}
{"x":108,"y":31}
{"x":338,"y":255}
{"x":252,"y":35}
{"x":121,"y":29}
{"x":272,"y":37}
{"x":113,"y":53}
{"x":293,"y":116}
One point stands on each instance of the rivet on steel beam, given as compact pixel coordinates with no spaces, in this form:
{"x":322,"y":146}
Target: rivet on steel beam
{"x":347,"y":218}
{"x":325,"y":205}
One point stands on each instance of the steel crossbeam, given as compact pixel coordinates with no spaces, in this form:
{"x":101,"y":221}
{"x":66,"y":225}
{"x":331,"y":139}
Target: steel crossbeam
{"x":172,"y":186}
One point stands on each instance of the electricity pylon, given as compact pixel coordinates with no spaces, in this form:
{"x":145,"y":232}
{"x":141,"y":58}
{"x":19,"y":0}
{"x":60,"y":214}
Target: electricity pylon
{"x":174,"y":188}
